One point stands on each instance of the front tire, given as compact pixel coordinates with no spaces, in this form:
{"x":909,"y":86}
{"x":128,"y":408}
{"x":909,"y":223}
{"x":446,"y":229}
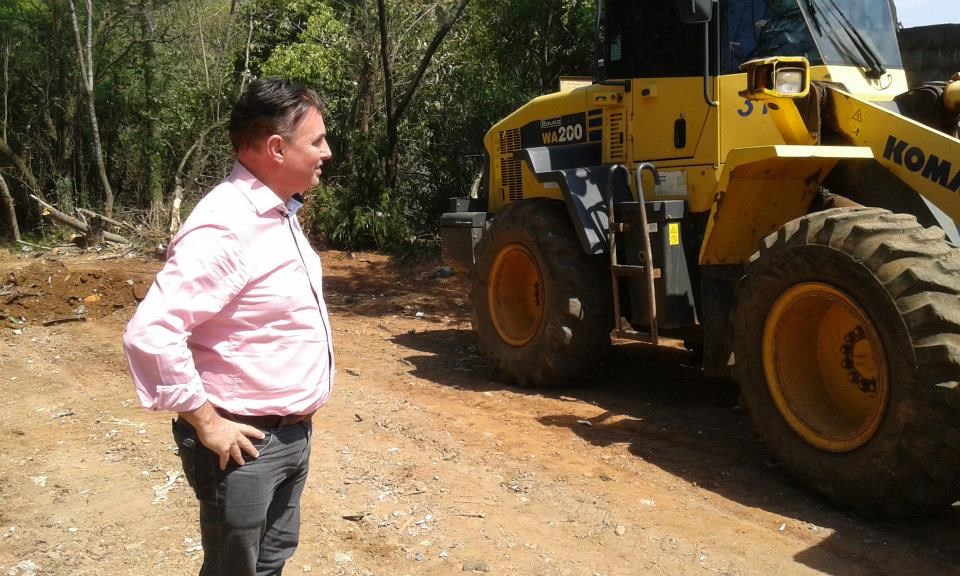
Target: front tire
{"x":542,"y":308}
{"x":847,"y":349}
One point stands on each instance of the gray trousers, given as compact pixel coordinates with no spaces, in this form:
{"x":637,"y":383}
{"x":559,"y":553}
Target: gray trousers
{"x":250,"y":514}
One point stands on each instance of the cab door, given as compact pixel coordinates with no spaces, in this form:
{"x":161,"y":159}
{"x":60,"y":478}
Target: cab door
{"x":647,"y":43}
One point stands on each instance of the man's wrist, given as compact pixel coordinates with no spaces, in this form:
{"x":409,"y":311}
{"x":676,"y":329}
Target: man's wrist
{"x":201,"y":418}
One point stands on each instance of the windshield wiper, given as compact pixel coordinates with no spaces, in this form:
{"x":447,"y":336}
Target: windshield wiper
{"x":868,"y":58}
{"x":813,"y":16}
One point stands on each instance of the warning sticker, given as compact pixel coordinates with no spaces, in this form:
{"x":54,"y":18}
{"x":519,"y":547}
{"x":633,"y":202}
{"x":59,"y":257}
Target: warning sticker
{"x":674,"y":230}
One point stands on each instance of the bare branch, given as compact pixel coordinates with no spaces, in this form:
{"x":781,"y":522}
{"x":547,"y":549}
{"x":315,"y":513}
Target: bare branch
{"x":203,"y":50}
{"x":117,"y":223}
{"x":395,"y":112}
{"x":102,"y":71}
{"x":428,"y":57}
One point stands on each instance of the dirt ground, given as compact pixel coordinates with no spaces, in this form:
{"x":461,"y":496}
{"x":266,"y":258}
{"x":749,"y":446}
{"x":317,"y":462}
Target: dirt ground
{"x":423,"y":463}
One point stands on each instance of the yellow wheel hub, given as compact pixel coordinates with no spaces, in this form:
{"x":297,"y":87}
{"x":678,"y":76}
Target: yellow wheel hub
{"x":515,"y":295}
{"x":825,"y":366}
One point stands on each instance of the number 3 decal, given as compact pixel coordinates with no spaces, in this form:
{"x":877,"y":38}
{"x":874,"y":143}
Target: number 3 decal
{"x":748,"y":109}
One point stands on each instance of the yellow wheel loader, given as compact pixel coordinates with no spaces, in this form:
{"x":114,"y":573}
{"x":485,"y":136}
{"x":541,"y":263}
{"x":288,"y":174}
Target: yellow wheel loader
{"x":755,"y":178}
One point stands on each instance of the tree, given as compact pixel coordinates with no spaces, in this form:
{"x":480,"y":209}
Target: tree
{"x":85,"y":60}
{"x":11,"y":208}
{"x":397,"y":107}
{"x":4,"y":189}
{"x":153,"y":159}
{"x":409,"y":90}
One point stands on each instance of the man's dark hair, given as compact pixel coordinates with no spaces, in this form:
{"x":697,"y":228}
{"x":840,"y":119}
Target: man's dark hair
{"x":270,"y":106}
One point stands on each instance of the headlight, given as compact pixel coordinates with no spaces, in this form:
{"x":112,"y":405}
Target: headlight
{"x":778,"y":77}
{"x":789,"y":80}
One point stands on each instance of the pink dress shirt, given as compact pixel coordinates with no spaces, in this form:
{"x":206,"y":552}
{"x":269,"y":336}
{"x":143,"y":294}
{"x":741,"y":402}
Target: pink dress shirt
{"x":236,"y":317}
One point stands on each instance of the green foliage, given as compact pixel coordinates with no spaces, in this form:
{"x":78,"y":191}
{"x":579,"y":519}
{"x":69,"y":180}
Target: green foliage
{"x":355,"y":211}
{"x":336,"y":216}
{"x":501,"y":53}
{"x":313,"y":56}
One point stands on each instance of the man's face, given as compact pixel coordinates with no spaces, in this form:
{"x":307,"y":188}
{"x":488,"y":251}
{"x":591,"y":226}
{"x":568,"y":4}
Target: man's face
{"x":303,"y":154}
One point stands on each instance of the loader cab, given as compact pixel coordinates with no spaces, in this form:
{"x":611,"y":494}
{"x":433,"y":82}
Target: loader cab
{"x":667,"y":38}
{"x":679,"y":61}
{"x":658,"y":51}
{"x":649,"y":42}
{"x":852,"y":33}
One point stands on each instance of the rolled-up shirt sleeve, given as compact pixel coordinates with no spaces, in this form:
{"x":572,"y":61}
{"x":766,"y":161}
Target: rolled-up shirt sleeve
{"x":203,"y":273}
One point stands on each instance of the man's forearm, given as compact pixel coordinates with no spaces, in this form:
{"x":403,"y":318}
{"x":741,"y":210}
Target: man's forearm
{"x":203,"y":418}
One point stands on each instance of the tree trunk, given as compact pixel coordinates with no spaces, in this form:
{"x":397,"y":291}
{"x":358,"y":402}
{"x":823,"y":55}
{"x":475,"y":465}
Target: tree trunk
{"x":361,"y":107}
{"x":179,"y":187}
{"x":369,"y":91}
{"x":361,"y":111}
{"x":203,"y":51}
{"x":58,"y":216}
{"x":5,"y":151}
{"x":66,"y":115}
{"x":223,"y":64}
{"x":395,"y":114}
{"x":390,"y":161}
{"x":6,"y":89}
{"x":153,"y":162}
{"x":246,"y":59}
{"x":18,"y":163}
{"x":85,"y":57}
{"x":11,"y":208}
{"x":4,"y":190}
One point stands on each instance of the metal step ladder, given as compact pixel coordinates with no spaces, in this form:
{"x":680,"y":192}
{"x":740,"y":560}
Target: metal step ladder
{"x":621,"y":327}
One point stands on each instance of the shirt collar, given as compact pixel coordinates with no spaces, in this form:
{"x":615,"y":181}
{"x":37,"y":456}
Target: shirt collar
{"x":256,"y":192}
{"x":294,"y":203}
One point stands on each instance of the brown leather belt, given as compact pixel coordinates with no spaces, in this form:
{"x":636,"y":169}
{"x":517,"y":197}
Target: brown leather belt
{"x":266,"y":421}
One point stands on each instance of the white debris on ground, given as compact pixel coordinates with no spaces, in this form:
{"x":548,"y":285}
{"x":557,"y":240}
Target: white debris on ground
{"x":160,"y":491}
{"x":24,"y":568}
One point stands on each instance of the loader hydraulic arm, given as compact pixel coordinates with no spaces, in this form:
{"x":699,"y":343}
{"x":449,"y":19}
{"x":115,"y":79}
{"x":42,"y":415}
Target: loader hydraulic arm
{"x":923,"y":158}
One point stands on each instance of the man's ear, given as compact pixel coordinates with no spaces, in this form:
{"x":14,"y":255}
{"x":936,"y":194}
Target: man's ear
{"x":275,"y":147}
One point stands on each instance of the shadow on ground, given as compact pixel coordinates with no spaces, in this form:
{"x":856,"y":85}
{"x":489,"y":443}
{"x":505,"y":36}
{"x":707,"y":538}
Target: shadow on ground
{"x":657,"y":402}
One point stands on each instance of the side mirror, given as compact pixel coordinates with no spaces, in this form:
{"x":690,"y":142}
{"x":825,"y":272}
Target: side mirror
{"x":695,"y":11}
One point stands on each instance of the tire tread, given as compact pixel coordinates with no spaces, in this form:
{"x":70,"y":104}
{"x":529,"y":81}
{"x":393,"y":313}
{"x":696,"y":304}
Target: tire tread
{"x":920,"y":273}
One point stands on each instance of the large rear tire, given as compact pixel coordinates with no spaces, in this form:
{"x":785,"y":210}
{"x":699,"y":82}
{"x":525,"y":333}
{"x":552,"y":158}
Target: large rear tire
{"x":542,"y":308}
{"x":847,"y":349}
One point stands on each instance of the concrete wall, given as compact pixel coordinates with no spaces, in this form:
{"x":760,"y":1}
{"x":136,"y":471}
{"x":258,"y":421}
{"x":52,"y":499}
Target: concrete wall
{"x":930,"y":52}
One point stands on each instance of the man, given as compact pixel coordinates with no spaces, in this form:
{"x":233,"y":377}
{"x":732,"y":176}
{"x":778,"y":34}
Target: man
{"x":234,"y":336}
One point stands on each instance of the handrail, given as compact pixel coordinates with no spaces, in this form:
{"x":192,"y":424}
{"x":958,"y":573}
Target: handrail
{"x":648,"y":270}
{"x":612,"y":241}
{"x":648,"y":249}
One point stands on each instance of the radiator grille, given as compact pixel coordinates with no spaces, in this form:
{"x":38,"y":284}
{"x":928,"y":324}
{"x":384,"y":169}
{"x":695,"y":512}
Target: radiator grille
{"x":511,"y":175}
{"x":509,"y":141}
{"x":614,"y":143}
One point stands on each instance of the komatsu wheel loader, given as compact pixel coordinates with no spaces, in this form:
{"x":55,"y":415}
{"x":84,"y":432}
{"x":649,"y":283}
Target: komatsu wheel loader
{"x":756,"y":179}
